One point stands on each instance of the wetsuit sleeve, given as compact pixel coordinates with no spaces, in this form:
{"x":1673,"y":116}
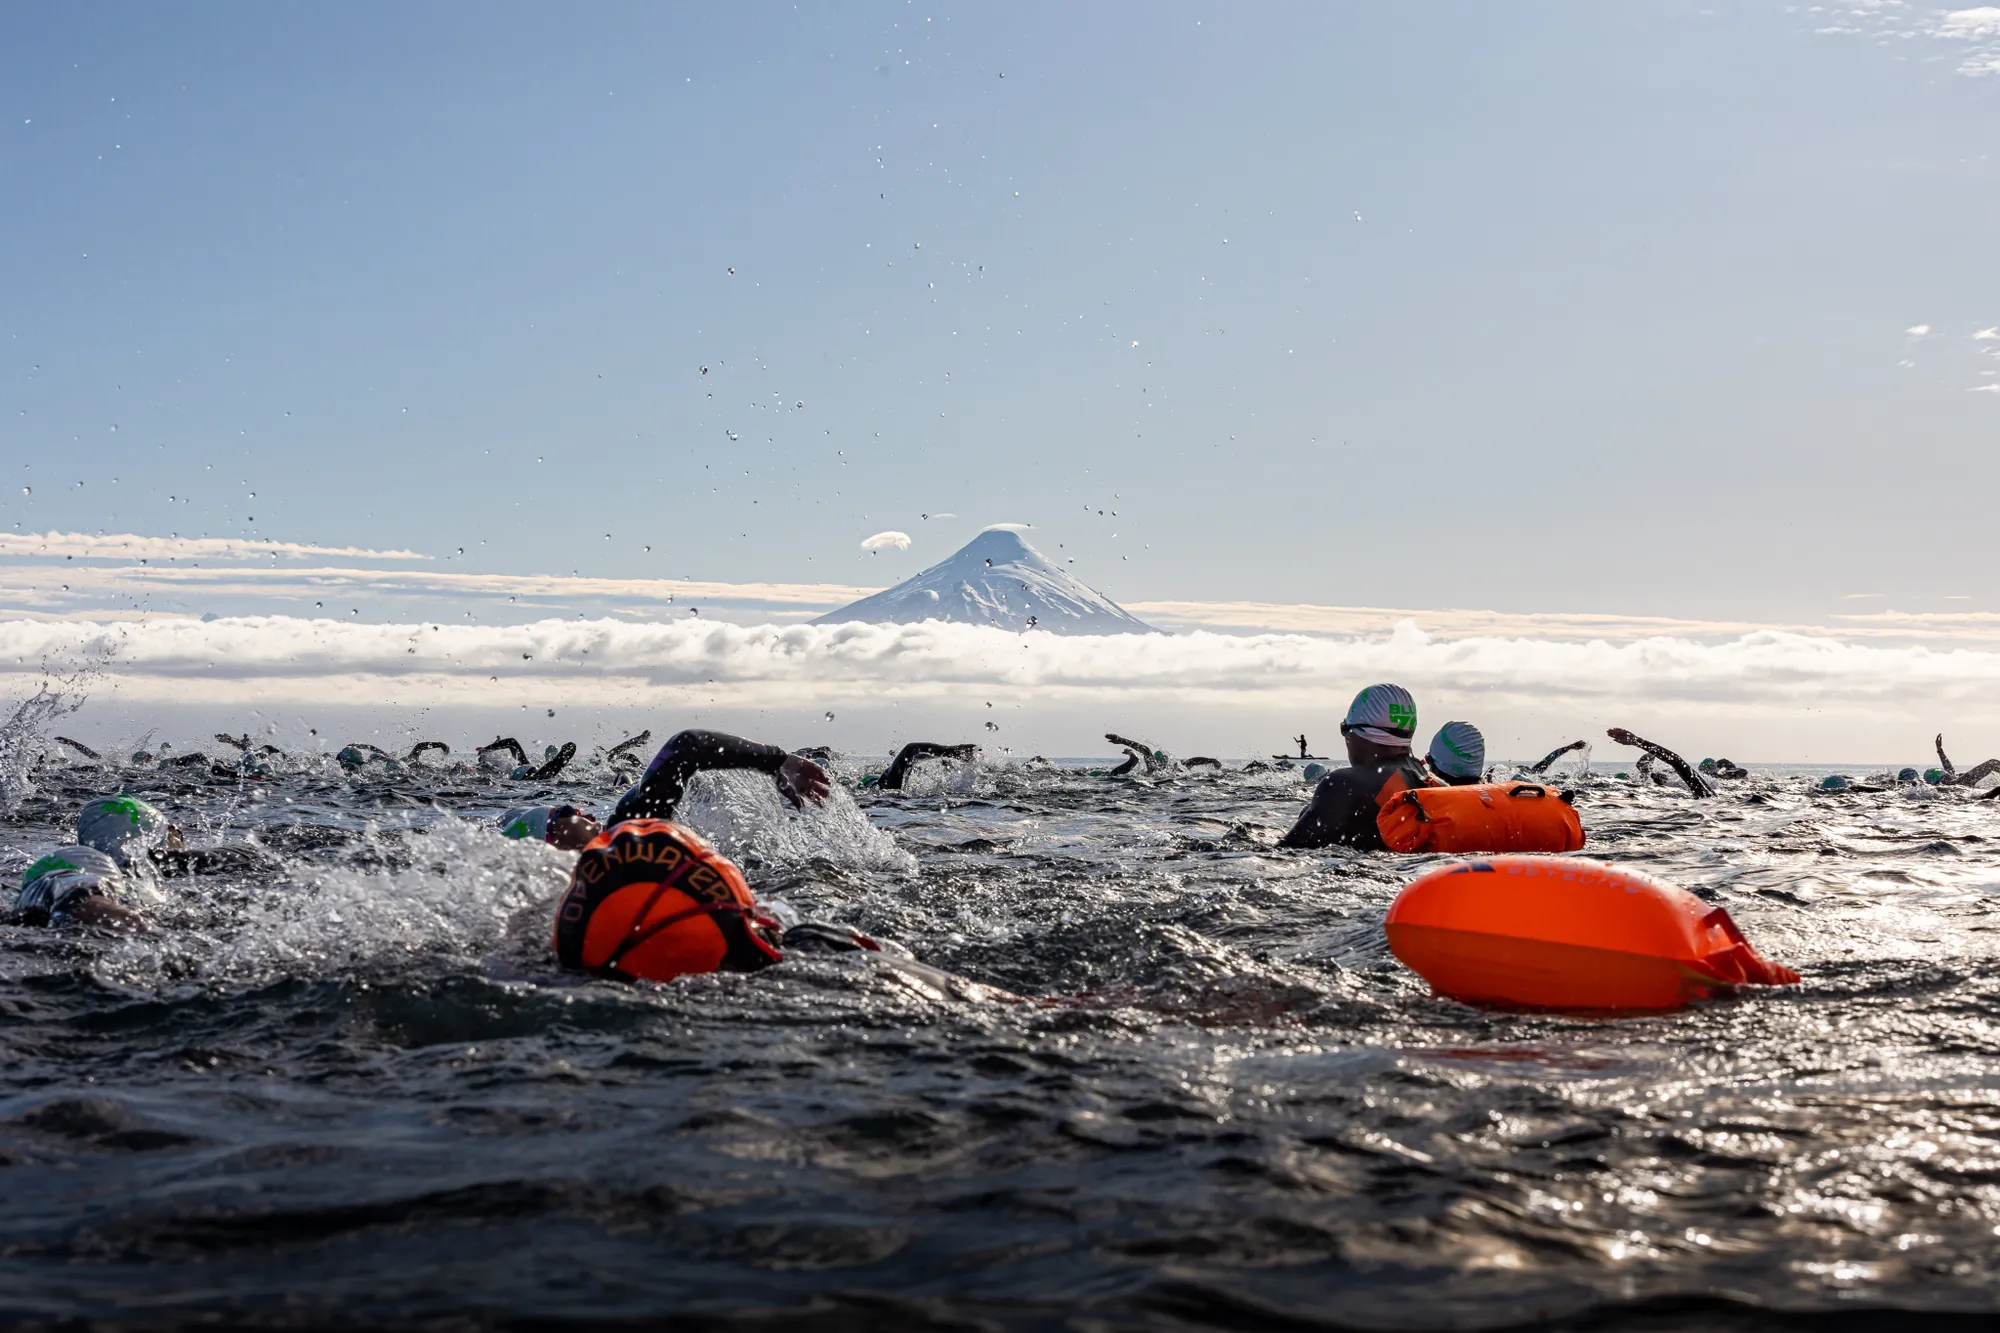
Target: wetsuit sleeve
{"x":658,"y":794}
{"x":899,"y":768}
{"x":1696,"y":783}
{"x":557,"y":764}
{"x":1944,"y":760}
{"x":1972,"y":776}
{"x":1543,"y":765}
{"x":1335,"y":804}
{"x":510,"y":745}
{"x":1131,"y":762}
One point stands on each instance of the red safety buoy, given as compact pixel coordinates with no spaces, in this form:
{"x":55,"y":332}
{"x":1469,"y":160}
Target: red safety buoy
{"x":1548,"y":932}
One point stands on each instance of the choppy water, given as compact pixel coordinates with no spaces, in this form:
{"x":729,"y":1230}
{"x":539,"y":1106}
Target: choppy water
{"x":351,"y":1088}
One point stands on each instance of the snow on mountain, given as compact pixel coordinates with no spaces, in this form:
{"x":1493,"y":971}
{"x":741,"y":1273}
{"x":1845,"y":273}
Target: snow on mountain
{"x":995,"y":579}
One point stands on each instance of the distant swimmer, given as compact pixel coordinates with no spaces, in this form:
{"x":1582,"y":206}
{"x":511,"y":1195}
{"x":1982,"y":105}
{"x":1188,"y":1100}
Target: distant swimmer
{"x":624,"y":754}
{"x":1696,"y":783}
{"x":1458,"y":754}
{"x":1951,"y":777}
{"x":915,"y":752}
{"x":1542,"y":765}
{"x":1380,"y":724}
{"x":1726,"y":769}
{"x":563,"y":827}
{"x":554,"y":760}
{"x":1156,"y":761}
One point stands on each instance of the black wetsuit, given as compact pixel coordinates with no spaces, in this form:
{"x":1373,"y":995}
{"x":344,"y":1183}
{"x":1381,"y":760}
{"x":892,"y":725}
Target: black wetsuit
{"x":909,"y":755}
{"x":1542,"y":765}
{"x":1696,"y":783}
{"x":1347,"y":802}
{"x":658,"y":794}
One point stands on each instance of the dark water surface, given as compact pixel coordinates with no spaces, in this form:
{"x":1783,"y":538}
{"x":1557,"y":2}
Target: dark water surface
{"x":351,"y":1088}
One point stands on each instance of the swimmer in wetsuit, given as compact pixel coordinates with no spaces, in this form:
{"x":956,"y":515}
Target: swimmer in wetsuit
{"x":1156,"y":761}
{"x":554,"y":760}
{"x":1951,"y":777}
{"x":1696,"y":783}
{"x":916,"y":751}
{"x":1457,"y":754}
{"x":123,"y":847}
{"x":1542,"y":765}
{"x":1380,"y":724}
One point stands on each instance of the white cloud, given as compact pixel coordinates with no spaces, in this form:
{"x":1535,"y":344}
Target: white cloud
{"x":131,"y":546}
{"x":1970,"y":25}
{"x":1987,"y":335}
{"x":1984,"y":388}
{"x":1918,"y":330}
{"x":892,"y":540}
{"x":1755,"y":676}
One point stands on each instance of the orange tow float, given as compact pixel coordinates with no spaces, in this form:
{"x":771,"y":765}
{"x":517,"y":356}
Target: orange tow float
{"x":1567,"y":933}
{"x":1484,"y":817}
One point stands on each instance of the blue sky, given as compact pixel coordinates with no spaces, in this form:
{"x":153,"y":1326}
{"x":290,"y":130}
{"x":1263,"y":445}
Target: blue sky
{"x":1553,"y":307}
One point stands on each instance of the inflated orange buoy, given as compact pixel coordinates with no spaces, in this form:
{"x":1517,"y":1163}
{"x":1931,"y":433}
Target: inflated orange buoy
{"x":650,"y":900}
{"x":1486,"y":817}
{"x":1566,"y":933}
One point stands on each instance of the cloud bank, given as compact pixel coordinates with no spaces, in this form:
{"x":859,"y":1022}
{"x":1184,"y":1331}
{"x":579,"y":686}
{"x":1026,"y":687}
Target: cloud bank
{"x":132,"y":546}
{"x":606,"y":661}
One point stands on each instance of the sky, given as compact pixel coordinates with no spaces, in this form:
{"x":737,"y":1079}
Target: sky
{"x":1515,"y":320}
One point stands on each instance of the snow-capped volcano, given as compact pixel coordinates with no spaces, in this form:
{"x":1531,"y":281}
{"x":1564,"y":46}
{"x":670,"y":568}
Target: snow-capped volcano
{"x":995,"y":579}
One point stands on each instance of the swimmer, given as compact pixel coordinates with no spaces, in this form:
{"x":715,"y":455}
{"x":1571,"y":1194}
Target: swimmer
{"x":1156,"y":761}
{"x":563,"y":827}
{"x":553,"y":762}
{"x":1380,"y":724}
{"x":80,"y":748}
{"x":1696,"y":783}
{"x":622,"y":754}
{"x":640,"y":855}
{"x":75,"y":886}
{"x":1950,"y":777}
{"x":1542,"y":765}
{"x":1457,"y":754}
{"x":915,"y":752}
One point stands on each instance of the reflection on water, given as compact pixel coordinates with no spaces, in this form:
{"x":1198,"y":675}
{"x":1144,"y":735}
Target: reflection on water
{"x":349,"y":1086}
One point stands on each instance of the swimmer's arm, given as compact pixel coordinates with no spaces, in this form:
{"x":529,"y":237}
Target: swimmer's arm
{"x":899,"y":768}
{"x":1131,"y":762}
{"x":630,"y":743}
{"x":79,"y":747}
{"x":1543,"y":765}
{"x":1944,"y":760}
{"x":509,"y":744}
{"x":1976,"y":774}
{"x":557,"y":764}
{"x":1696,"y":783}
{"x":658,"y":794}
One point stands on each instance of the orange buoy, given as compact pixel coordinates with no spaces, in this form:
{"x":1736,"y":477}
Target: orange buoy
{"x":1566,"y":933}
{"x":650,"y":900}
{"x":1484,"y":817}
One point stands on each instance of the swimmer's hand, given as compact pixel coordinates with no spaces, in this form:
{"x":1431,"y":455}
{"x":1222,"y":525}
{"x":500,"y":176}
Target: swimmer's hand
{"x":801,"y":780}
{"x":1622,"y":736}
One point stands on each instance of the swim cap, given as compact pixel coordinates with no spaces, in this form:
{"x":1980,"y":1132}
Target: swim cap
{"x":1706,"y":765}
{"x":1834,"y":782}
{"x":71,"y":861}
{"x":1458,"y":750}
{"x":530,"y":822}
{"x":1934,"y":776}
{"x":1906,"y":775}
{"x":1314,"y":772}
{"x":1384,"y":714}
{"x":122,"y":827}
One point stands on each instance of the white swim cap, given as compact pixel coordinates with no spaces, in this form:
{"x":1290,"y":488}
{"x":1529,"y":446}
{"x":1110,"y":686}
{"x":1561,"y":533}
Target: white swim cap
{"x":72,"y":861}
{"x":530,"y":822}
{"x":122,"y":827}
{"x":1384,"y":714}
{"x":1458,"y":750}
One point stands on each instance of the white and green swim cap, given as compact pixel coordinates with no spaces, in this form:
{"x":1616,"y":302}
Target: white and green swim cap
{"x":122,"y":827}
{"x":1458,"y":750}
{"x":530,"y":822}
{"x":1384,"y":714}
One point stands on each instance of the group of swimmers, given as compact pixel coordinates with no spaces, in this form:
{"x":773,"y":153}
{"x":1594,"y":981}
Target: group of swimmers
{"x":649,"y":899}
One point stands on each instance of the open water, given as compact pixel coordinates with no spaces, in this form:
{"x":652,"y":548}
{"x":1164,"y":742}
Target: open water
{"x":347,"y":1086}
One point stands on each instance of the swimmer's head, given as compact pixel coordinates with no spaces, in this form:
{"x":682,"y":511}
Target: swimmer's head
{"x":1381,"y":721}
{"x":563,"y":827}
{"x":124,"y":828}
{"x":1313,"y":772}
{"x":1706,"y":765}
{"x":1835,"y":782}
{"x":1934,"y":776}
{"x":1458,"y":752}
{"x":1906,"y":775}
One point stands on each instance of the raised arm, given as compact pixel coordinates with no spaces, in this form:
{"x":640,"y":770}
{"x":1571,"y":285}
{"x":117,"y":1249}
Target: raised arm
{"x":909,"y":755}
{"x":1543,"y":765}
{"x":1944,"y":760}
{"x":1696,"y":783}
{"x":658,"y":794}
{"x":510,"y":745}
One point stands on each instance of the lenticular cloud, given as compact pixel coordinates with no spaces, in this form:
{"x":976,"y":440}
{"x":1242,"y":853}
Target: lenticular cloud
{"x":590,"y":661}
